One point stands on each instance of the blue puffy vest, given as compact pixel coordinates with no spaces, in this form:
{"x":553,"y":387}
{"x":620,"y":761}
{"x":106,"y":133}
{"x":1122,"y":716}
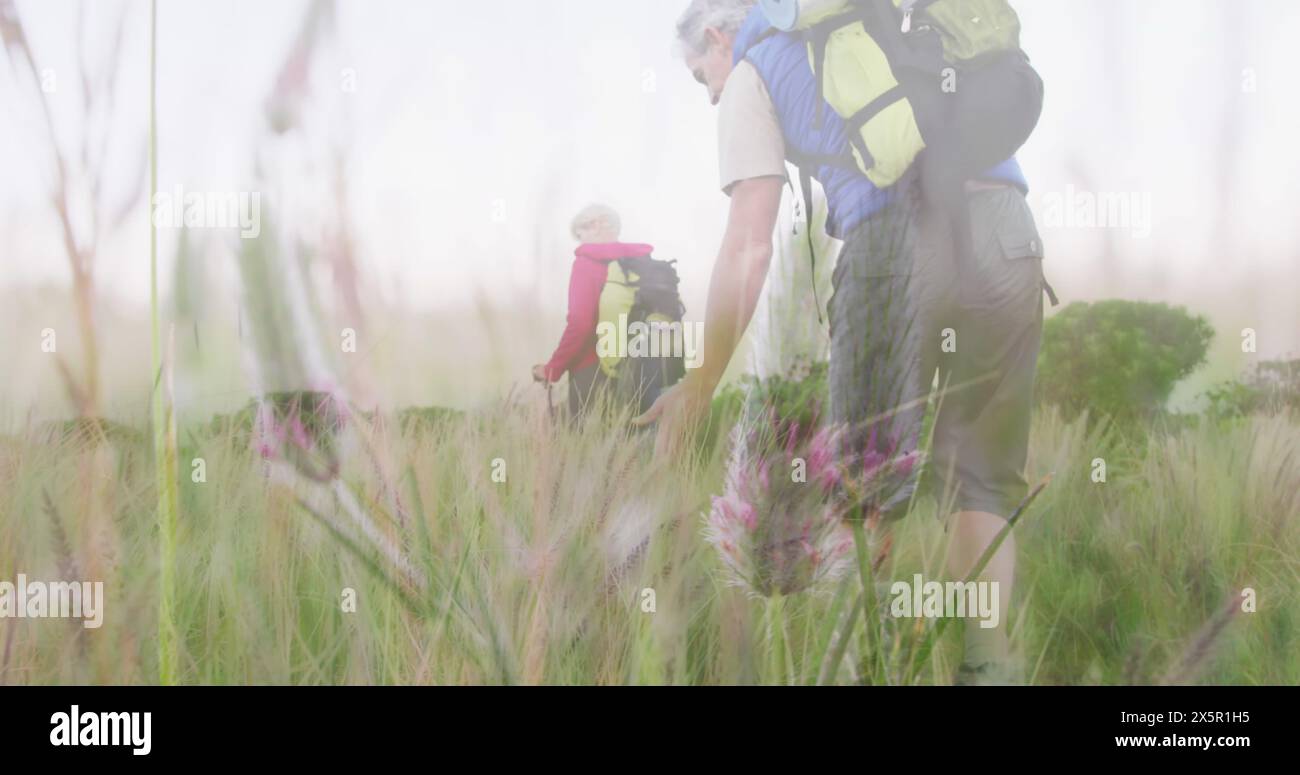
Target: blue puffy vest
{"x":782,"y":62}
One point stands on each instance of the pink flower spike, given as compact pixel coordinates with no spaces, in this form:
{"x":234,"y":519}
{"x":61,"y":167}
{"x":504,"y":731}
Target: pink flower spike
{"x":300,"y":437}
{"x":908,"y":462}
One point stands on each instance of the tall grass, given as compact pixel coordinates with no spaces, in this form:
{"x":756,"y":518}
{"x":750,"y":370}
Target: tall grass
{"x":502,"y":546}
{"x":163,"y":415}
{"x":548,"y":576}
{"x":80,"y":175}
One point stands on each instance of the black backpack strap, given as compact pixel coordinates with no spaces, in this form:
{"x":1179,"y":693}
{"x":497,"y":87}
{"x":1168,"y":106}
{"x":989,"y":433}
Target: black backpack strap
{"x":1051,"y":294}
{"x":869,"y":111}
{"x":806,"y":162}
{"x":805,"y":193}
{"x":803,"y":159}
{"x":805,"y":187}
{"x":820,"y":38}
{"x":623,"y":264}
{"x":874,"y":108}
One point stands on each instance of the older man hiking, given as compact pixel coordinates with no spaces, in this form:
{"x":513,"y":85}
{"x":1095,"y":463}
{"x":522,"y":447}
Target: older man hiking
{"x":897,"y":313}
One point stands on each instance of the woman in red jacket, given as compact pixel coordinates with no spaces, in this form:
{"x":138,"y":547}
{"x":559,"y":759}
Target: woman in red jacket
{"x":597,"y":229}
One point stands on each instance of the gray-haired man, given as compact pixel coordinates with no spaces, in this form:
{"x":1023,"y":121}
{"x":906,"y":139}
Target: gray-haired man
{"x":896,"y":314}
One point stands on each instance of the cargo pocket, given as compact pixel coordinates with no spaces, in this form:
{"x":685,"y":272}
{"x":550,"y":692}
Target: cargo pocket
{"x":1021,"y":242}
{"x":1025,"y":244}
{"x":1011,"y":260}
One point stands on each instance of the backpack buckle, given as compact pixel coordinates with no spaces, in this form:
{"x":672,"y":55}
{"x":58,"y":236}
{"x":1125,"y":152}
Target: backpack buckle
{"x":907,"y":14}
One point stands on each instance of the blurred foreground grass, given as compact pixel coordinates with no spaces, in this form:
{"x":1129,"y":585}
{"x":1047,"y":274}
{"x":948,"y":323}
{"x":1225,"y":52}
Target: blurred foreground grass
{"x":544,"y":577}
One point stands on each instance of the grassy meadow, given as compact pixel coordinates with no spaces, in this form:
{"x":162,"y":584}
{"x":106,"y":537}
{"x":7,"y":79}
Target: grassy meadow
{"x":387,"y":539}
{"x":499,"y":546}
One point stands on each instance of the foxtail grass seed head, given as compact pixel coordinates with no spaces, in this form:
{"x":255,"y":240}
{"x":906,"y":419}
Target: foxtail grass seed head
{"x":781,"y":522}
{"x":775,"y":533}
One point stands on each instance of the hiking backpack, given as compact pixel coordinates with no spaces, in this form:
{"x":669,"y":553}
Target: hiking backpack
{"x":907,"y":75}
{"x":643,"y":362}
{"x":941,"y":87}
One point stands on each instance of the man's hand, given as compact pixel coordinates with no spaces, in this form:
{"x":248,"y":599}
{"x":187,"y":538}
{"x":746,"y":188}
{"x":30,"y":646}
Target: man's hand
{"x":736,"y":283}
{"x":678,"y":411}
{"x":539,"y":373}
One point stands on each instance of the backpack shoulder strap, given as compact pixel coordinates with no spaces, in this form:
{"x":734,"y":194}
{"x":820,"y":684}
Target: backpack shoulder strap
{"x":806,"y":192}
{"x":618,"y":273}
{"x":818,"y":38}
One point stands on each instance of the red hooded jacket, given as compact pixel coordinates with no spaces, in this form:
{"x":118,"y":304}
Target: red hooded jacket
{"x":577,"y":348}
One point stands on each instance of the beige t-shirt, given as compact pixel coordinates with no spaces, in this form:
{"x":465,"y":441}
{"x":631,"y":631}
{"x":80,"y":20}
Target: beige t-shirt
{"x":750,"y":144}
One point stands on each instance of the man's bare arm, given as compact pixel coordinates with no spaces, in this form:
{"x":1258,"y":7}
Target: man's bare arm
{"x":738,"y":274}
{"x":737,"y":282}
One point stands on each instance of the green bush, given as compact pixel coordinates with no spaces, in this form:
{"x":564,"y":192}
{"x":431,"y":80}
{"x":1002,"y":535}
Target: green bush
{"x":1119,"y":359}
{"x":798,"y":398}
{"x":1270,"y":386}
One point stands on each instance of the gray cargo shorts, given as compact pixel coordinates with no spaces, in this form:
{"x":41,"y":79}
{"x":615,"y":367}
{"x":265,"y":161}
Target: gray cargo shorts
{"x":902,"y":311}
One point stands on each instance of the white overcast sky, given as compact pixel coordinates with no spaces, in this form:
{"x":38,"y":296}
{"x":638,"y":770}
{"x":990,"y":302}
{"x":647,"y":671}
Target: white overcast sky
{"x":463,"y":108}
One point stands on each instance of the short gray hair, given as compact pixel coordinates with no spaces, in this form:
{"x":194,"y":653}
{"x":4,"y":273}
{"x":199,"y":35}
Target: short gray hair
{"x":596,"y":212}
{"x":723,"y":15}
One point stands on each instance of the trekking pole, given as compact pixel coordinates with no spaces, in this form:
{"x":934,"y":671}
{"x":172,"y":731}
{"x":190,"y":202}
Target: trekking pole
{"x":550,"y":406}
